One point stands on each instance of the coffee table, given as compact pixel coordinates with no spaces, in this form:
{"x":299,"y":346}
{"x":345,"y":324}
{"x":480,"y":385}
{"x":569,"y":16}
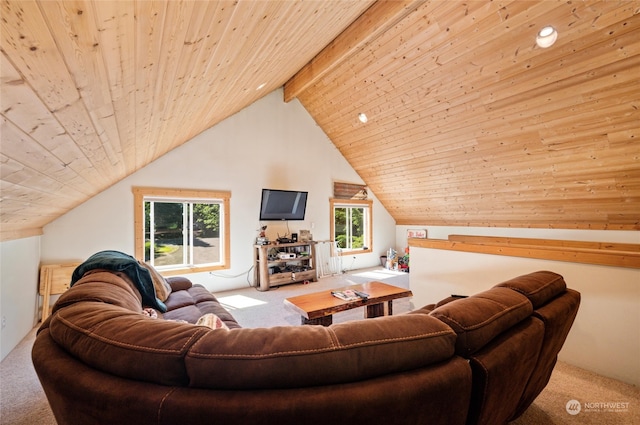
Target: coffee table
{"x":318,"y":308}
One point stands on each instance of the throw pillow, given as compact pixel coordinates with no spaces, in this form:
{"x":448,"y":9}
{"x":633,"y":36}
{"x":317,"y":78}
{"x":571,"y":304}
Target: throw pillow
{"x":160,"y":284}
{"x":148,"y":311}
{"x":212,"y":321}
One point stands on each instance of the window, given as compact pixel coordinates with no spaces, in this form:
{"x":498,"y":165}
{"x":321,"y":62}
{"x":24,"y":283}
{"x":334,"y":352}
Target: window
{"x":351,"y":225}
{"x":182,"y":231}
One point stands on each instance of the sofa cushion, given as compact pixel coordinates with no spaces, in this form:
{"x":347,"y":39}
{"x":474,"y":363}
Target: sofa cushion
{"x":179,"y":283}
{"x":194,"y":302}
{"x":212,"y":321}
{"x":480,"y":318}
{"x":305,"y":356}
{"x":539,"y":287}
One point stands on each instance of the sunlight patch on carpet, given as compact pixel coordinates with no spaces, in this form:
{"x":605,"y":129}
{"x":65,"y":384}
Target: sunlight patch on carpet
{"x":234,"y":302}
{"x":379,"y":274}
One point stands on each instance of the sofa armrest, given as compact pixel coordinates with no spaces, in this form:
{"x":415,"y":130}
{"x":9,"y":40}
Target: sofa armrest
{"x":179,"y":283}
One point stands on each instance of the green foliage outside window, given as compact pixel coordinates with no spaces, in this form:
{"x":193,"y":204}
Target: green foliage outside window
{"x":172,"y":218}
{"x":349,"y":227}
{"x":207,"y":217}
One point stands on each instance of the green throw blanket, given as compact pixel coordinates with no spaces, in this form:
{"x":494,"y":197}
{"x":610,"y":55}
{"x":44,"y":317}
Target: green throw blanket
{"x":121,"y":262}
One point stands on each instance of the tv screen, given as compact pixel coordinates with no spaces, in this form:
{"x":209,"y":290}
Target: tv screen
{"x":282,"y":205}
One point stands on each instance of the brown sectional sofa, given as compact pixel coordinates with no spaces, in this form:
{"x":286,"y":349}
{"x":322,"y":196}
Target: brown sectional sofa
{"x":481,"y":359}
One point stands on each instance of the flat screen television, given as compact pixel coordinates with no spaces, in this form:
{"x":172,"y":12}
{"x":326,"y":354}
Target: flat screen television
{"x":282,"y":205}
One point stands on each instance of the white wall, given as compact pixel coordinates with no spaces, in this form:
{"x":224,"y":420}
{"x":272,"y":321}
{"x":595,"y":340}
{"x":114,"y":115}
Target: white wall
{"x":605,"y":337}
{"x":19,"y":263}
{"x":270,"y":144}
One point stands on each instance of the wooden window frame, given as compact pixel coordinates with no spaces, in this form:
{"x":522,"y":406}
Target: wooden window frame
{"x":367,"y":203}
{"x":188,"y":195}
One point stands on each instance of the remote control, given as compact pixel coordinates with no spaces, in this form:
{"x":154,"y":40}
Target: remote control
{"x":362,"y":295}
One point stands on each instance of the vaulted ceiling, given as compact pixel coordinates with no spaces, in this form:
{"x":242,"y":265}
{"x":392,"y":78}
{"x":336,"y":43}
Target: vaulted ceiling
{"x":469,"y":122}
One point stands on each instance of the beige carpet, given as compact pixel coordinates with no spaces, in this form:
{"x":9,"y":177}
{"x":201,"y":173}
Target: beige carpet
{"x":601,"y":400}
{"x":22,"y":400}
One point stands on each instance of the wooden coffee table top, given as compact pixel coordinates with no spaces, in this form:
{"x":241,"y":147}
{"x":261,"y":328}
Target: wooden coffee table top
{"x":319,"y":304}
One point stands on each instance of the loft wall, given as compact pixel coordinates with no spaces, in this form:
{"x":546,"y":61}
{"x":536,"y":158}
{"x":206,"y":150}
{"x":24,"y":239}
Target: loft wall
{"x":269,"y":144}
{"x":19,"y":260}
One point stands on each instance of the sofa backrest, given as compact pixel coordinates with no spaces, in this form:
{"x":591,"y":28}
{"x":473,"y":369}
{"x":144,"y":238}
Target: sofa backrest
{"x":79,"y":394}
{"x":480,"y":318}
{"x":304,"y":356}
{"x":100,"y":322}
{"x":539,"y":287}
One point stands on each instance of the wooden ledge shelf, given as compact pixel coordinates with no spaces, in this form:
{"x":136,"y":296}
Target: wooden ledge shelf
{"x":600,"y":253}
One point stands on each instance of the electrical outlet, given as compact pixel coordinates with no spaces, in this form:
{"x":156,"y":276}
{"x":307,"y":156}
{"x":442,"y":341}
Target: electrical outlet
{"x":4,"y":322}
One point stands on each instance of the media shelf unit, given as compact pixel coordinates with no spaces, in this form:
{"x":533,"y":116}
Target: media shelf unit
{"x":271,"y":270}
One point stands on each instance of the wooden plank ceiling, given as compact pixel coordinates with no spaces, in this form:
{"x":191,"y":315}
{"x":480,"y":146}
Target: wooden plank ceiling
{"x":469,"y":123}
{"x":94,"y":90}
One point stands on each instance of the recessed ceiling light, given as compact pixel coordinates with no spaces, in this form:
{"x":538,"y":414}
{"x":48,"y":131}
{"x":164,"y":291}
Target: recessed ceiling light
{"x":363,"y":117}
{"x":546,"y":37}
{"x":261,"y":86}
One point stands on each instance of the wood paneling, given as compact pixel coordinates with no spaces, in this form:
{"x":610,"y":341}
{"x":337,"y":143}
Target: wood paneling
{"x":94,"y":90}
{"x":601,"y":253}
{"x":470,"y":123}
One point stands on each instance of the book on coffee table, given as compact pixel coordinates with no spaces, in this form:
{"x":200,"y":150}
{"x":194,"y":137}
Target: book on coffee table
{"x":349,"y":295}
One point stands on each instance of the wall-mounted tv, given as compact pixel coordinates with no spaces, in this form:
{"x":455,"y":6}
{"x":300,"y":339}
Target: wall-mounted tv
{"x":282,"y":205}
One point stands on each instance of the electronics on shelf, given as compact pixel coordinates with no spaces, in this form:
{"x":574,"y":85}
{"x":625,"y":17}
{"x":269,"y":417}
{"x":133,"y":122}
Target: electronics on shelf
{"x":283,"y":263}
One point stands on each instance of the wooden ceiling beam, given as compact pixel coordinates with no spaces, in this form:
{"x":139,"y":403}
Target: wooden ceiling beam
{"x":371,"y":24}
